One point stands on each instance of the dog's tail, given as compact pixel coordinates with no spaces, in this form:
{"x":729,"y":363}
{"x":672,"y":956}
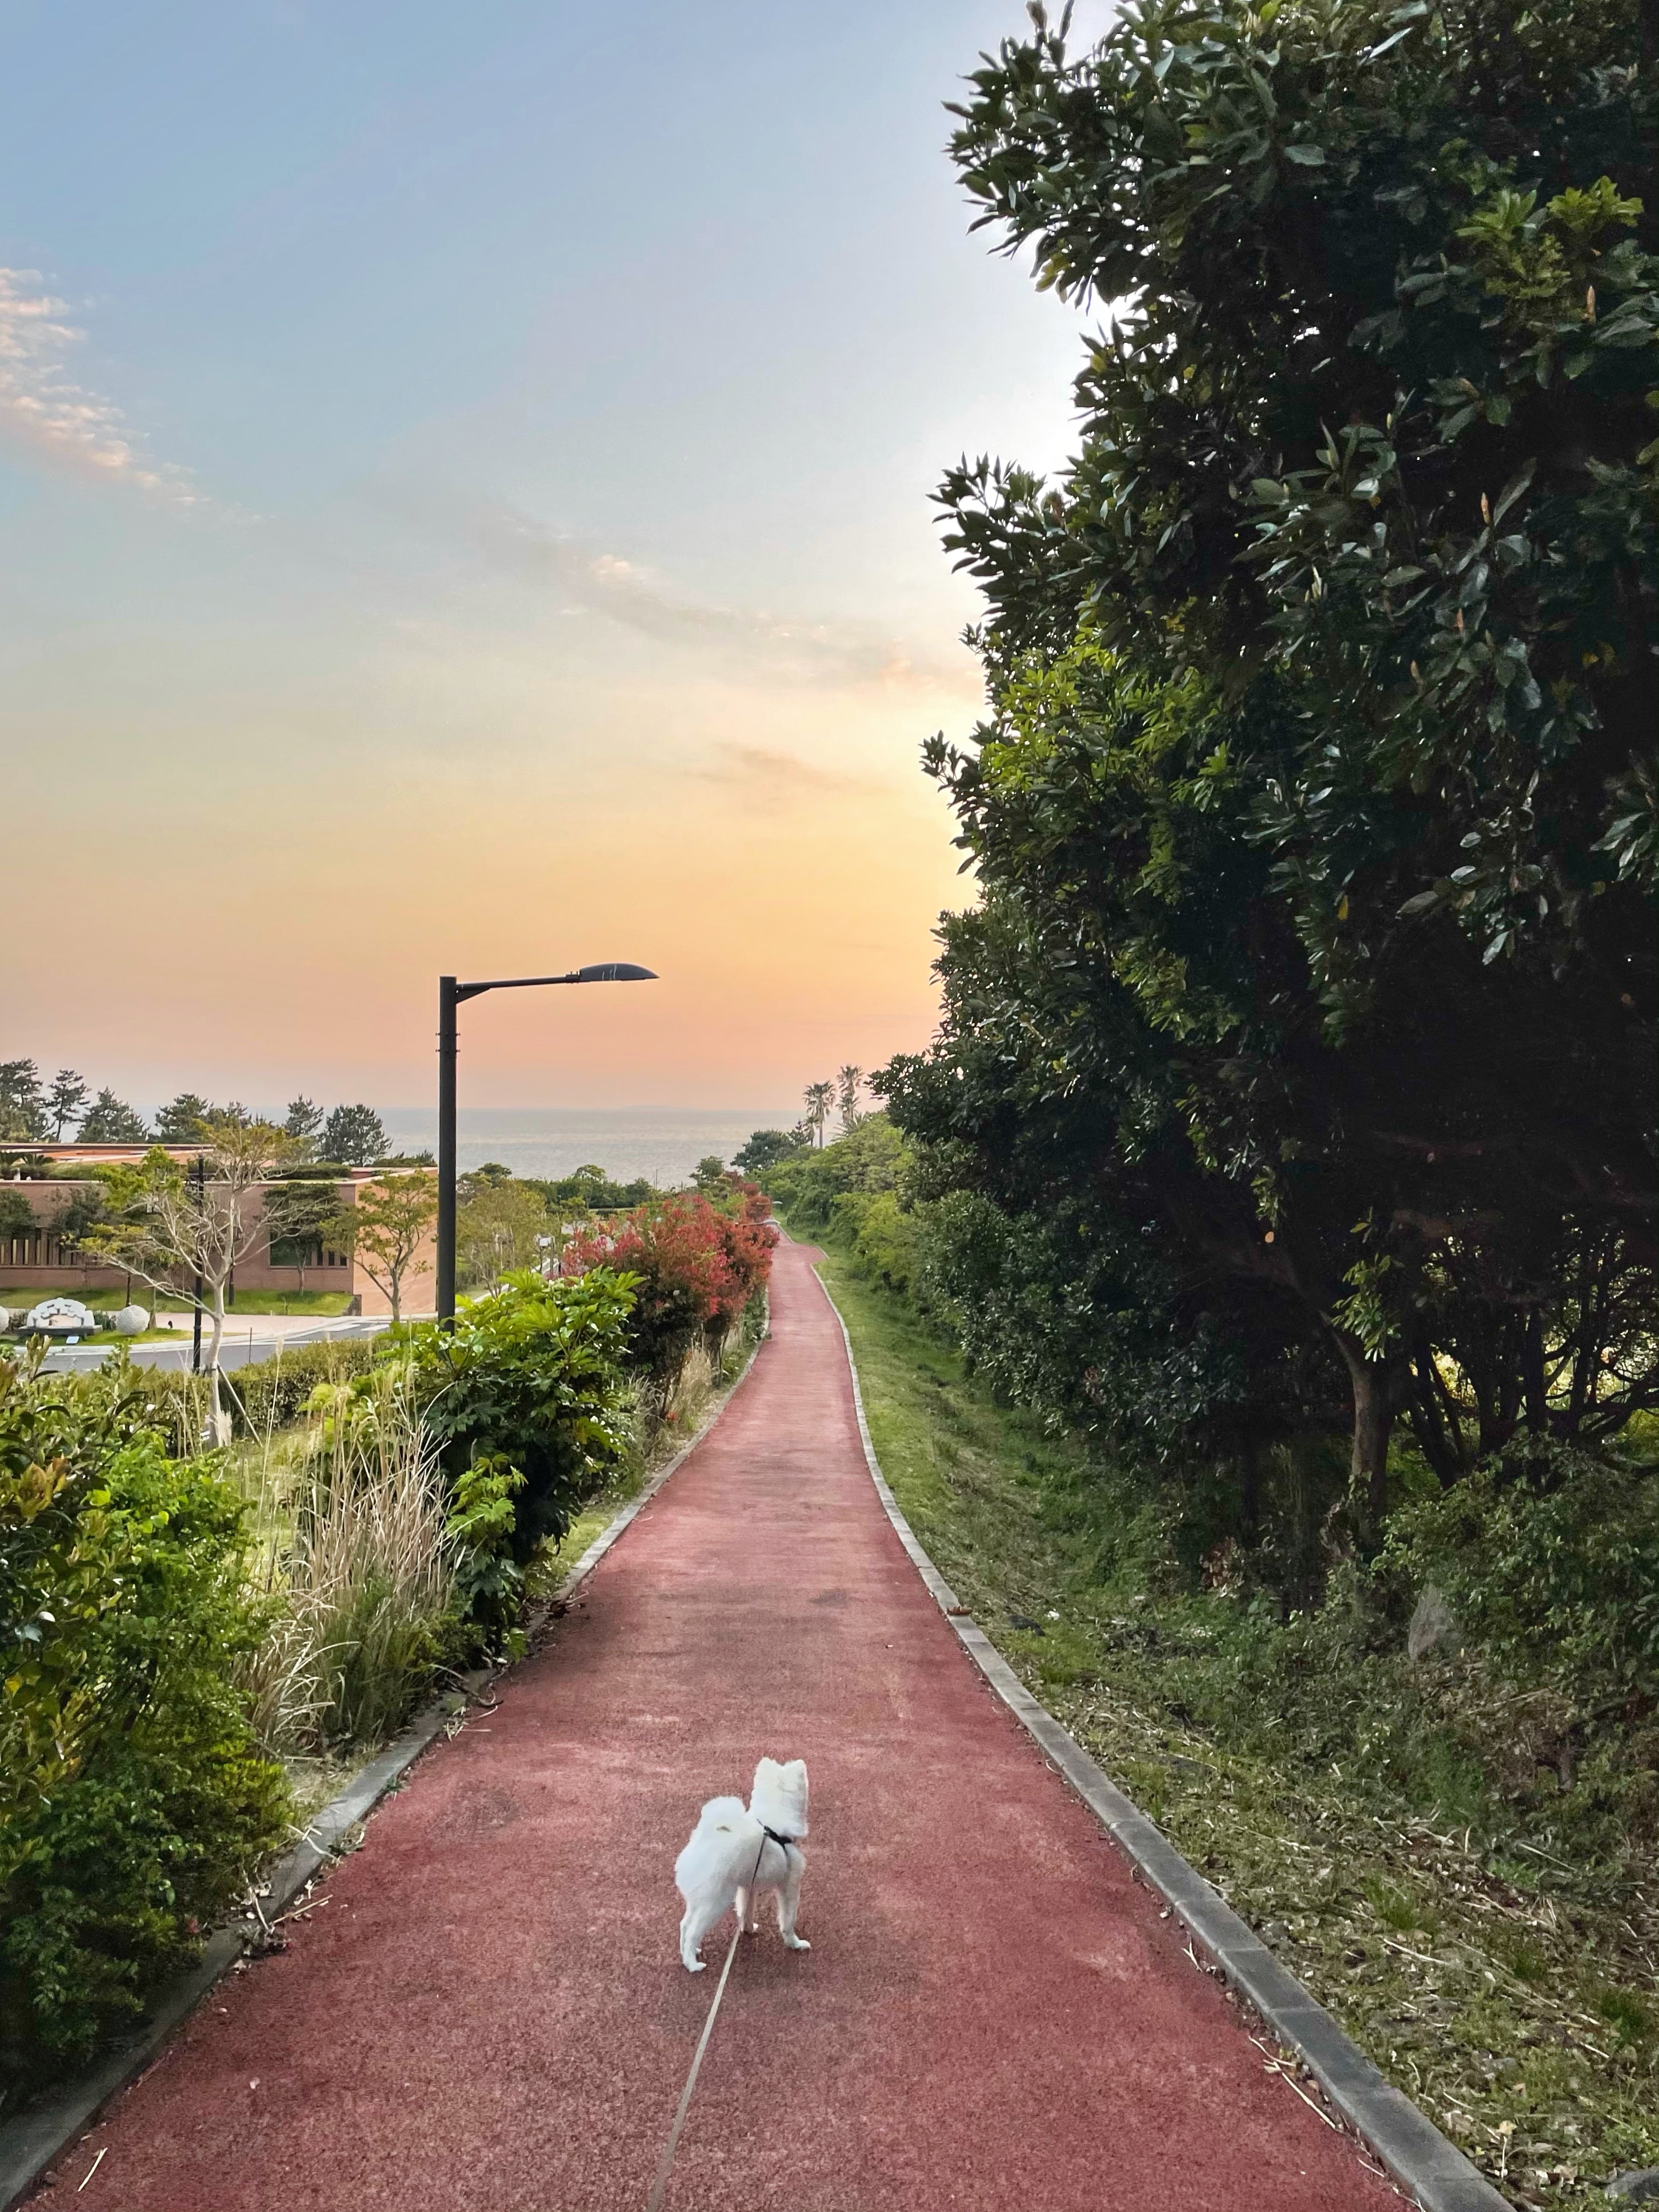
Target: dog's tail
{"x":723,"y":1847}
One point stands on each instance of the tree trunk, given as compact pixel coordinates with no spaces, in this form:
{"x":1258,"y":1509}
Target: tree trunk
{"x":218,"y":1417}
{"x":1536,"y":1387}
{"x":1371,"y":1382}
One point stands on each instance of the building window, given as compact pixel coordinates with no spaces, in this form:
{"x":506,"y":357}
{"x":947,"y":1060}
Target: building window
{"x":297,"y":1252}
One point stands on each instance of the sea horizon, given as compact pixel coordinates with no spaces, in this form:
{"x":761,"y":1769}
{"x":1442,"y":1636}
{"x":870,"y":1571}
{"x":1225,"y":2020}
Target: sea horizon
{"x":663,"y":1144}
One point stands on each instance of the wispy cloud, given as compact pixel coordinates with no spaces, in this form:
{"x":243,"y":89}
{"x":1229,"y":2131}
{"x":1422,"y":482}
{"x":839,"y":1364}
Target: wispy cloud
{"x":772,"y":782}
{"x":57,"y":419}
{"x":583,"y":580}
{"x":603,"y":583}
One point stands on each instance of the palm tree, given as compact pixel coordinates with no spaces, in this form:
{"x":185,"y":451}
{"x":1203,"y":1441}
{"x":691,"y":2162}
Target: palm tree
{"x":849,"y":1080}
{"x":819,"y":1097}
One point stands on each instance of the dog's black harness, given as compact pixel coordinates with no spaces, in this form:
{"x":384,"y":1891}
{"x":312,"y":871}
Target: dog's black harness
{"x":784,"y":1840}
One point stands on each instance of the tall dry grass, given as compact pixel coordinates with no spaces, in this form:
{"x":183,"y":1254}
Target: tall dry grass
{"x":351,"y":1550}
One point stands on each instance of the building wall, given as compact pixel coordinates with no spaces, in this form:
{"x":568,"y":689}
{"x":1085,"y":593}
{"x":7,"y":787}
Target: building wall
{"x":36,"y":1264}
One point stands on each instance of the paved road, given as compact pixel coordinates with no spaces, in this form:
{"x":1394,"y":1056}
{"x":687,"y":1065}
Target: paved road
{"x":488,"y":2015}
{"x":260,"y":1336}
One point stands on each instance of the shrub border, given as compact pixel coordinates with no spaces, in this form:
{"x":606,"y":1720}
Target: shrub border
{"x":41,"y":2133}
{"x":1417,"y":2155}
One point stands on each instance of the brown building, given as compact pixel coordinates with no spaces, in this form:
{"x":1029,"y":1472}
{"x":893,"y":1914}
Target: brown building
{"x":35,"y":1262}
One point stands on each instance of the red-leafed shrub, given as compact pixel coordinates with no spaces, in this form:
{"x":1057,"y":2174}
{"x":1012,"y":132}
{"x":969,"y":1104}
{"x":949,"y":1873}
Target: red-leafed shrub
{"x":698,"y":1265}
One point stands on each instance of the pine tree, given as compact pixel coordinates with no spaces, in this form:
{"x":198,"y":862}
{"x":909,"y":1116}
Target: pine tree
{"x":67,"y":1095}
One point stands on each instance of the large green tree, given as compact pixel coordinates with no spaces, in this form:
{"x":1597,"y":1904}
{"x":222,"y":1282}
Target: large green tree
{"x":63,"y":1101}
{"x":180,"y":1121}
{"x":299,"y":1214}
{"x":386,"y":1226}
{"x":23,"y":1110}
{"x":1314,"y":988}
{"x":352,"y":1135}
{"x":1372,"y":410}
{"x":111,"y":1121}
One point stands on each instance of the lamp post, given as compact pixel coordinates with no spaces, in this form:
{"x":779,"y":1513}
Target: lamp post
{"x":196,"y":1317}
{"x":450,"y":995}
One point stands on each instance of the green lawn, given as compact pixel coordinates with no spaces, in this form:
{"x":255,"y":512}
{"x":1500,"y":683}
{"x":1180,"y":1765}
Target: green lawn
{"x":1513,"y":2000}
{"x":291,"y":1302}
{"x":21,"y":1297}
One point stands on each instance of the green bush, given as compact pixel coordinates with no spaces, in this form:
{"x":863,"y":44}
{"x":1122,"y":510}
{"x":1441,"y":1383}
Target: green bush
{"x":1549,"y":1558}
{"x":267,"y":1395}
{"x":489,"y":1582}
{"x":273,"y":1392}
{"x":872,"y":1156}
{"x":133,"y":1799}
{"x":1542,"y":1719}
{"x":887,"y":1239}
{"x":532,"y":1373}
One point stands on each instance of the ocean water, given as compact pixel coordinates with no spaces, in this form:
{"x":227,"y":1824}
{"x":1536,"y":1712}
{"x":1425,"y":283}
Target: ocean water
{"x":662,"y":1144}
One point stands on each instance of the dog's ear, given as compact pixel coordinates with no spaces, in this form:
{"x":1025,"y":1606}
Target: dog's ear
{"x":793,"y":1779}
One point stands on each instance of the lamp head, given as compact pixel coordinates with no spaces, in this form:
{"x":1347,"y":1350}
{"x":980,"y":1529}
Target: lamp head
{"x":616,"y":971}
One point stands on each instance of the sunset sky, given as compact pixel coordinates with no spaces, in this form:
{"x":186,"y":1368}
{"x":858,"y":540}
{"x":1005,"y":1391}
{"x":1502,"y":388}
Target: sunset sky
{"x":464,"y":504}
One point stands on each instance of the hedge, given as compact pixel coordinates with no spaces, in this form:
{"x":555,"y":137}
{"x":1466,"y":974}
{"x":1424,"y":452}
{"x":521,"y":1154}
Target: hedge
{"x":267,"y":1394}
{"x":134,"y":1799}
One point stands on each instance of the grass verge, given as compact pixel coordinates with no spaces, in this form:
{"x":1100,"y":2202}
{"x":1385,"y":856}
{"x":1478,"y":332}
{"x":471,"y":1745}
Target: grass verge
{"x":322,"y":1303}
{"x":1512,"y":1995}
{"x":105,"y":1299}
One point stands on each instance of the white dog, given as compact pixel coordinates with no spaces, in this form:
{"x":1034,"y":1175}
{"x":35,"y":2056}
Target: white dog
{"x":733,"y":1855}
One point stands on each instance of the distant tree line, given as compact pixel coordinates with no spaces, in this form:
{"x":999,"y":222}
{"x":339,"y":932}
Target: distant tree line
{"x":35,"y":1111}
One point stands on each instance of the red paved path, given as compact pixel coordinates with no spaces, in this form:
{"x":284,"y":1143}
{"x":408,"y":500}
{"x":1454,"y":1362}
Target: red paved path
{"x":489,"y":2011}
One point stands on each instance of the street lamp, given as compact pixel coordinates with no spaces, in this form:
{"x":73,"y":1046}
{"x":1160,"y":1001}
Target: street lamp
{"x":450,"y":995}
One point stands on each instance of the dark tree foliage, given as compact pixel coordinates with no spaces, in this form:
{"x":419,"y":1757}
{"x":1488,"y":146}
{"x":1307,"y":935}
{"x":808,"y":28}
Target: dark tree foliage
{"x":111,"y":1121}
{"x":304,"y":1121}
{"x":24,"y":1112}
{"x":1308,"y":1025}
{"x":300,"y":1212}
{"x":180,"y":1121}
{"x":764,"y":1149}
{"x":1373,"y":410}
{"x":63,"y":1101}
{"x":353,"y":1136}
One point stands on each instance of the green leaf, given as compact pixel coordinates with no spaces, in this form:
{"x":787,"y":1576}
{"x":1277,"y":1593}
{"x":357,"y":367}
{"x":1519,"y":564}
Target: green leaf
{"x":1514,"y":488}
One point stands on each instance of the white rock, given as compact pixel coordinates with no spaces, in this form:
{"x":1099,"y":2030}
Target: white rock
{"x":131,"y":1320}
{"x":1433,"y":1625}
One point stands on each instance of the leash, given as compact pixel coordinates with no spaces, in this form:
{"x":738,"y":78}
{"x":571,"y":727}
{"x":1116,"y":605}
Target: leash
{"x":654,"y":2203}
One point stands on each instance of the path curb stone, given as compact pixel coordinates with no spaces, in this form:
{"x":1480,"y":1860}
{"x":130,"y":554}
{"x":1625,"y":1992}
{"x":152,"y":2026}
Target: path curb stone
{"x":30,"y":2143}
{"x":1432,"y":2169}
